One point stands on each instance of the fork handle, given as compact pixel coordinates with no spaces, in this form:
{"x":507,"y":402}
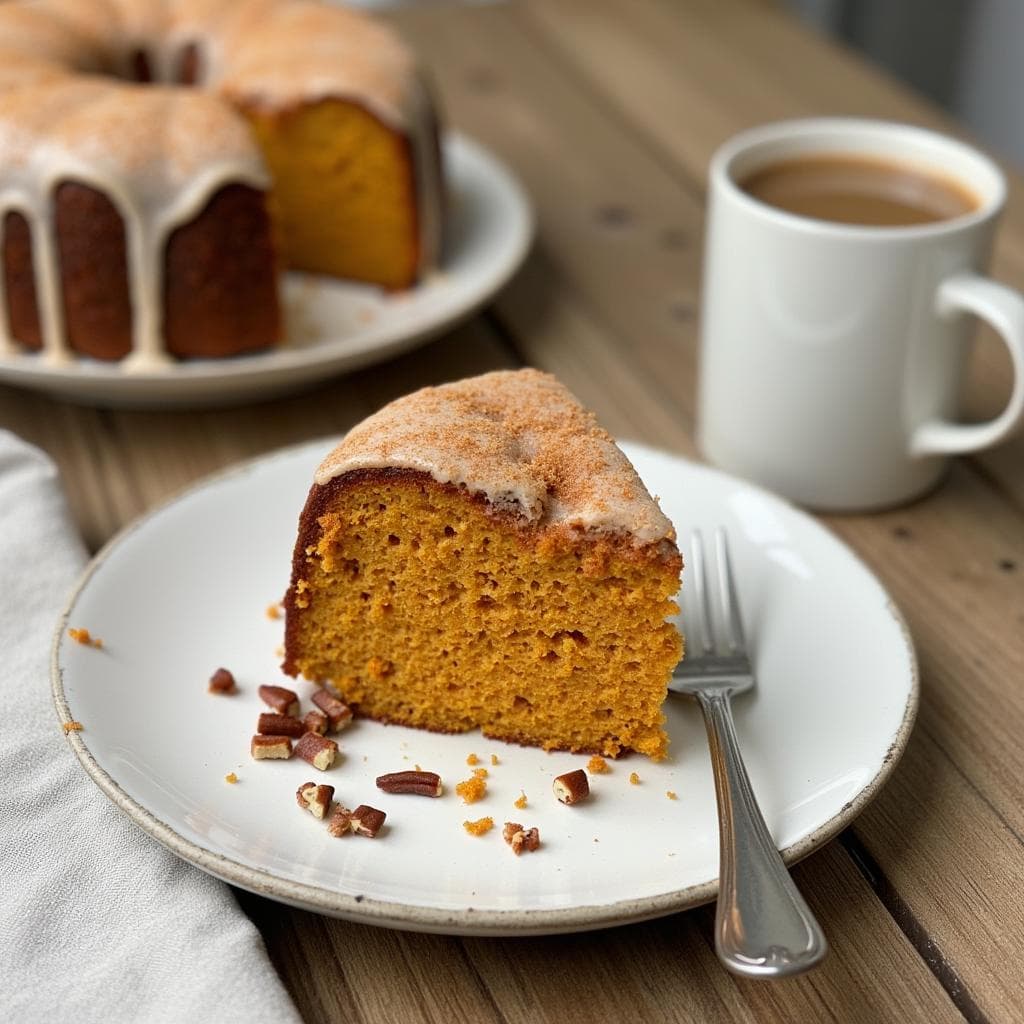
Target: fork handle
{"x":763,"y":927}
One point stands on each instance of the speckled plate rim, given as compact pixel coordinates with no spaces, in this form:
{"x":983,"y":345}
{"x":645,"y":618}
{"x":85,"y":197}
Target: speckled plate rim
{"x":470,"y":921}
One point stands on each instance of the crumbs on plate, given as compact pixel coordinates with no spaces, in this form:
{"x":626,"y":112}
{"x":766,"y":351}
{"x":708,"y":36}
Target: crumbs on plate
{"x":85,"y":638}
{"x":471,"y":790}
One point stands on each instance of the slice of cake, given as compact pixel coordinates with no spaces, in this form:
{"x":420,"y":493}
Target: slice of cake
{"x":482,"y":554}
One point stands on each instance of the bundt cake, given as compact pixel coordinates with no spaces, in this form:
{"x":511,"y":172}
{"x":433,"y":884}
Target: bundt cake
{"x":160,"y":162}
{"x":482,"y":554}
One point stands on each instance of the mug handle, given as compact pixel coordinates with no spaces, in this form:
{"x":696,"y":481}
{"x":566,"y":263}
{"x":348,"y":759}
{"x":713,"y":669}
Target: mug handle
{"x":1003,"y":309}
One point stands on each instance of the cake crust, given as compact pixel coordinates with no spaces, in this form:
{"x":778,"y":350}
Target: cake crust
{"x":522,"y":441}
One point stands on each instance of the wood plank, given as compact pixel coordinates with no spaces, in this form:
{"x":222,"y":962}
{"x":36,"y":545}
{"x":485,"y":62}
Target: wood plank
{"x":662,"y":970}
{"x":956,"y":872}
{"x":580,"y":309}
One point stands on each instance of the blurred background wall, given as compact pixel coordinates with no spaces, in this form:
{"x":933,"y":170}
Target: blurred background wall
{"x":967,"y":55}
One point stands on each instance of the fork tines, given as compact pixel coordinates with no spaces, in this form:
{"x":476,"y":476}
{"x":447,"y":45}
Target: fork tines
{"x":731,"y":619}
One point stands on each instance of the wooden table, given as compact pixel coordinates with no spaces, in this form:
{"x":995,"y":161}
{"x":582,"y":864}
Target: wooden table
{"x":609,"y":112}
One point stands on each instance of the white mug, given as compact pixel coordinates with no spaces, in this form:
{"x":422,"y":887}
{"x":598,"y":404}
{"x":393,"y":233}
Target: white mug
{"x":832,"y":355}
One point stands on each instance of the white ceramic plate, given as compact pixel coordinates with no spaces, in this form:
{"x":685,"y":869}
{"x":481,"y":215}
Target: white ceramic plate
{"x":332,"y":326}
{"x":186,"y":589}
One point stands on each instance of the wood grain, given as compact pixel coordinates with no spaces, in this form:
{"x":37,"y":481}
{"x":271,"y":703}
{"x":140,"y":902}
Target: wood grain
{"x":662,"y":970}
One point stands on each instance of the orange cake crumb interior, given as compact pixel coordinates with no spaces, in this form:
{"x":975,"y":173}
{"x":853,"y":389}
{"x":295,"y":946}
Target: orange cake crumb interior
{"x":360,"y":221}
{"x":423,"y":607}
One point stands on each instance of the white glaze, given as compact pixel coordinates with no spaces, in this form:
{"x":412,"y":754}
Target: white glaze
{"x":520,"y":439}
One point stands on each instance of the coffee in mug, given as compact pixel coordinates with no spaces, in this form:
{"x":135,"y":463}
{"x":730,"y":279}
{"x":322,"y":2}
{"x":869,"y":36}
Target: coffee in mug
{"x":843,"y":260}
{"x":851,"y":189}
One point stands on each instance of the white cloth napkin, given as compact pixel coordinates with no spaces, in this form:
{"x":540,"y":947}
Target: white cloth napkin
{"x":98,"y":922}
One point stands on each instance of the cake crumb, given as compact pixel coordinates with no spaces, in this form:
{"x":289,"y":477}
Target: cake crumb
{"x":494,"y":760}
{"x":71,"y":727}
{"x":481,"y":773}
{"x":471,"y":790}
{"x":85,"y":638}
{"x":670,"y":793}
{"x":597,"y":765}
{"x":279,"y":651}
{"x":479,"y":827}
{"x":634,"y":779}
{"x":231,"y":777}
{"x":472,"y":759}
{"x":520,"y":800}
{"x":273,"y":611}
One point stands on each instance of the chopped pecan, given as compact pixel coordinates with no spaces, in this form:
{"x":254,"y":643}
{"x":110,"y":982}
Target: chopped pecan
{"x":263,"y":747}
{"x":319,"y":751}
{"x":520,"y":839}
{"x":282,"y":700}
{"x":341,"y":821}
{"x":526,"y":841}
{"x":222,"y":681}
{"x":367,"y":821}
{"x":315,"y":799}
{"x":338,"y":713}
{"x":572,"y":787}
{"x":315,"y":721}
{"x":419,"y":782}
{"x":270,"y":724}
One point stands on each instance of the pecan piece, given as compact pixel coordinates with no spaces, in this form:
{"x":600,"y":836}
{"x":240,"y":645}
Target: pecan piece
{"x":319,"y":751}
{"x":418,"y":782}
{"x":222,"y":681}
{"x":263,"y":747}
{"x":341,"y":821}
{"x":526,"y":841}
{"x":367,"y":821}
{"x":282,"y":700}
{"x":315,"y":721}
{"x":315,"y":799}
{"x":520,"y":839}
{"x":270,"y":724}
{"x":338,"y":713}
{"x":572,"y":787}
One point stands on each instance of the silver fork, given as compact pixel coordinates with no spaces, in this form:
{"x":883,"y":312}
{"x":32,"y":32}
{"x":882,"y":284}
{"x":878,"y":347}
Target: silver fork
{"x":763,"y":927}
